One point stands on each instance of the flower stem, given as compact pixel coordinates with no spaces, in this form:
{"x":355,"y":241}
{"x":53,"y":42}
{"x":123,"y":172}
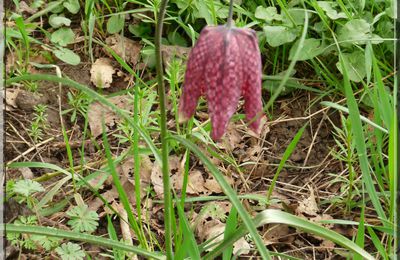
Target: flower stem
{"x":163,"y":128}
{"x":229,"y":22}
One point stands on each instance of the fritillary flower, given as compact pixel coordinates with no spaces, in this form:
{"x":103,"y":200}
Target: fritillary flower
{"x":224,"y":65}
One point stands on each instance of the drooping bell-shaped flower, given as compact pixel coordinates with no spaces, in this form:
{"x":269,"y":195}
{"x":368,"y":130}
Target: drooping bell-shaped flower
{"x":224,"y":65}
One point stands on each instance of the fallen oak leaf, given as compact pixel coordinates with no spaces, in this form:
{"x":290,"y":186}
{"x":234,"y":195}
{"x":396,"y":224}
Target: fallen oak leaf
{"x":101,"y":73}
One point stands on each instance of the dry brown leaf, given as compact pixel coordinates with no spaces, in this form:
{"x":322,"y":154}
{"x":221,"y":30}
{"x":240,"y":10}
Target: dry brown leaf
{"x":24,"y":7}
{"x":327,"y":244}
{"x":195,"y":182}
{"x":232,"y":139}
{"x":109,"y":196}
{"x":274,"y":233}
{"x":125,"y":229}
{"x":11,"y":97}
{"x":216,"y":210}
{"x":97,"y":110}
{"x":308,"y":205}
{"x":26,"y":172}
{"x":126,"y":48}
{"x":241,"y":247}
{"x":214,"y":230}
{"x":156,"y":174}
{"x":212,"y":185}
{"x":101,"y":73}
{"x":170,"y":51}
{"x":211,"y":229}
{"x":317,"y":219}
{"x":146,"y":166}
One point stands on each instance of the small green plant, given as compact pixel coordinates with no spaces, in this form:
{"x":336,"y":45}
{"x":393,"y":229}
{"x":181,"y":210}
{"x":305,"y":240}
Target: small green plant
{"x":346,"y":153}
{"x":82,"y":219}
{"x":70,"y":251}
{"x":23,"y":191}
{"x":39,"y":122}
{"x":79,"y":103}
{"x":126,"y":133}
{"x":31,"y":86}
{"x":31,"y":241}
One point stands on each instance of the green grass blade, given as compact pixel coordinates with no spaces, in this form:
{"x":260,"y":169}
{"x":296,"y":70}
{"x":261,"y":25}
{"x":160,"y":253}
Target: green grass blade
{"x":230,"y":193}
{"x":289,"y":150}
{"x":358,"y":133}
{"x":360,"y":239}
{"x":39,"y":165}
{"x":113,"y":235}
{"x":230,"y":228}
{"x":95,"y":240}
{"x":346,"y":110}
{"x":393,"y":178}
{"x":52,"y":5}
{"x":121,"y":192}
{"x":273,"y":216}
{"x":19,"y":21}
{"x":189,"y":245}
{"x":377,"y":243}
{"x":50,"y":194}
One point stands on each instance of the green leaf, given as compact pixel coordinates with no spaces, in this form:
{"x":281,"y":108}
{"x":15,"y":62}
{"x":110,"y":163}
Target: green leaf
{"x":297,"y":15}
{"x":354,"y":65}
{"x":140,"y":30}
{"x":288,"y":152}
{"x":358,"y":132}
{"x":67,"y":56}
{"x":72,"y":6}
{"x":267,"y":13}
{"x":271,"y":216}
{"x":82,"y":219}
{"x":230,"y":228}
{"x":205,"y":13}
{"x":278,"y":35}
{"x":46,"y":242}
{"x":57,"y":8}
{"x":357,"y":31}
{"x":70,"y":251}
{"x":312,"y":48}
{"x":63,"y":36}
{"x":95,"y":240}
{"x":115,"y":24}
{"x":57,"y":21}
{"x":176,"y":39}
{"x":27,"y":187}
{"x":330,"y":11}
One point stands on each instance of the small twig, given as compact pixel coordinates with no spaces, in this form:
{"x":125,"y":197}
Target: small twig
{"x":313,"y":140}
{"x":31,"y":149}
{"x":17,"y":133}
{"x":50,"y":175}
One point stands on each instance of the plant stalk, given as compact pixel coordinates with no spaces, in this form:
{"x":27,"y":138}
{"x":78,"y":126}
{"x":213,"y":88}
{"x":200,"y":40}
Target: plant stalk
{"x":163,"y":128}
{"x":229,"y":22}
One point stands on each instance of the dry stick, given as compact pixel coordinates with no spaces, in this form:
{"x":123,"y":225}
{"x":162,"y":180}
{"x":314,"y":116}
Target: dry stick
{"x":88,"y":166}
{"x":17,"y":133}
{"x":313,"y":140}
{"x":32,"y":149}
